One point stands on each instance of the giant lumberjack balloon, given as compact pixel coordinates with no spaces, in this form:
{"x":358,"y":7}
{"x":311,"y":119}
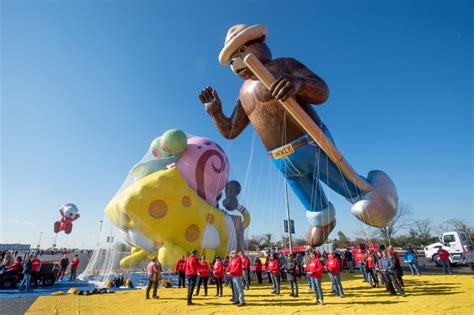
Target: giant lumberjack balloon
{"x":298,"y":142}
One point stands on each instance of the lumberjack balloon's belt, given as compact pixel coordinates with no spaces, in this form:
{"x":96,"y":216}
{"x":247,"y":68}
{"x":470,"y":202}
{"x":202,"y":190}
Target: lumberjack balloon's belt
{"x":288,"y":149}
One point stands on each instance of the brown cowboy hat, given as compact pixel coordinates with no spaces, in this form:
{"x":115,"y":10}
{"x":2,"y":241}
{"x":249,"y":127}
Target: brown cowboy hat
{"x":238,"y":35}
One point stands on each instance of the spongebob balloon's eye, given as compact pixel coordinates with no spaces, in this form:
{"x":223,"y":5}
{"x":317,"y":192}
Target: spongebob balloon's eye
{"x":242,"y":49}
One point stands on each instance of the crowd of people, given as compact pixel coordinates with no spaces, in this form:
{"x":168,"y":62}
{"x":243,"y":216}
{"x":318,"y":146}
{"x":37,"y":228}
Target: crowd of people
{"x":377,"y":267}
{"x":28,"y":264}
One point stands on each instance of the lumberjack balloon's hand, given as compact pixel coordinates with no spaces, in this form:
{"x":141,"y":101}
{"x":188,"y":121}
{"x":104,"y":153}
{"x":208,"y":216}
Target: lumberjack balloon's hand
{"x":210,"y":100}
{"x":285,"y":87}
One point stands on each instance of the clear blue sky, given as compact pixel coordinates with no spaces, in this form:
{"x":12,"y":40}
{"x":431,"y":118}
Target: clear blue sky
{"x":86,"y":85}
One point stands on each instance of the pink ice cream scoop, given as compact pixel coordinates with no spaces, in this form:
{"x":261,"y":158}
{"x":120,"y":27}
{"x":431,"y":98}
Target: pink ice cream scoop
{"x":205,"y":167}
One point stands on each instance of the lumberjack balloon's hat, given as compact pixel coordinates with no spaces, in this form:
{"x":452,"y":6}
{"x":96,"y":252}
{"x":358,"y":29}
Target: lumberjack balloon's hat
{"x":238,"y":35}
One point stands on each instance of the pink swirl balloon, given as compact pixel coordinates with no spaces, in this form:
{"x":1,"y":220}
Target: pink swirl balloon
{"x":205,"y":167}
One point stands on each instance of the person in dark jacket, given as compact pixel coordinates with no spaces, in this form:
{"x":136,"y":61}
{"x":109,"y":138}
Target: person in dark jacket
{"x":63,"y":263}
{"x":26,"y":274}
{"x":290,"y":270}
{"x":387,"y":267}
{"x":258,"y":268}
{"x":398,"y":271}
{"x":349,"y":260}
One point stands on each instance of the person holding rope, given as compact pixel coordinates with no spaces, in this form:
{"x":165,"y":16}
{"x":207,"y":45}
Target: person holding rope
{"x":315,"y":270}
{"x":203,"y":275}
{"x":291,"y":273}
{"x":235,"y":272}
{"x":387,"y":267}
{"x":218,"y":271}
{"x":246,"y":269}
{"x":370,"y":261}
{"x":258,"y":268}
{"x":154,"y":276}
{"x":191,"y":271}
{"x":274,"y":269}
{"x":333,"y":267}
{"x":180,"y":271}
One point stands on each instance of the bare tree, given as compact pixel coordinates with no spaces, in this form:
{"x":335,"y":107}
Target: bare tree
{"x":457,"y":225}
{"x":420,"y":232}
{"x":400,"y":220}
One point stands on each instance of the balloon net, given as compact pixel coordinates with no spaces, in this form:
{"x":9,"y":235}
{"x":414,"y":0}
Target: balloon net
{"x":169,"y":204}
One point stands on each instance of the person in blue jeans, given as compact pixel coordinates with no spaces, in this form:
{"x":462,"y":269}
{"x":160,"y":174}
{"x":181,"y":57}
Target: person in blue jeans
{"x":27,"y":266}
{"x":410,"y":258}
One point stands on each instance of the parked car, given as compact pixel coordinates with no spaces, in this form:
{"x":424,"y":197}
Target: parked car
{"x":457,"y":243}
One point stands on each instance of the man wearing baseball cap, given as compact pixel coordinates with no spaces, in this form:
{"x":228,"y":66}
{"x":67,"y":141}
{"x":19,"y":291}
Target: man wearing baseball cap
{"x":191,"y":271}
{"x":235,"y":271}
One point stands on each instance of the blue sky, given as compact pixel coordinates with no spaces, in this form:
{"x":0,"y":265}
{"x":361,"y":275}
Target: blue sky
{"x":86,"y":85}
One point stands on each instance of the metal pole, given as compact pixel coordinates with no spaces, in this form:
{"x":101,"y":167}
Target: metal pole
{"x":290,"y":243}
{"x":101,"y":221}
{"x":39,"y":240}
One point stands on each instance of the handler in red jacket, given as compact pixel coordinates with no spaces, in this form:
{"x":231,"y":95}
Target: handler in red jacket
{"x":35,"y":268}
{"x":191,"y":270}
{"x":235,"y":271}
{"x":203,"y":275}
{"x":180,"y":271}
{"x":246,"y":269}
{"x":218,"y":271}
{"x":315,"y":270}
{"x":274,"y":268}
{"x":444,"y":260}
{"x":333,"y":266}
{"x":258,"y":268}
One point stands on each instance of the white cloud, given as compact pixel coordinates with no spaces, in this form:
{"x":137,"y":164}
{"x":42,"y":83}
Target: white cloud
{"x":25,"y":222}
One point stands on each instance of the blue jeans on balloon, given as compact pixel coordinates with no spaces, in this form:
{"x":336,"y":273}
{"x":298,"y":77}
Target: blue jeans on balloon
{"x":304,"y":169}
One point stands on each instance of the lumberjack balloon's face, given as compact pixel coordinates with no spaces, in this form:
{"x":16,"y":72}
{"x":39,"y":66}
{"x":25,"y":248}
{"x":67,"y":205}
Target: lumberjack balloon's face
{"x":255,"y":47}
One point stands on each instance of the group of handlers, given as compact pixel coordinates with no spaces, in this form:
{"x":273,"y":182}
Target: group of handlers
{"x":375,"y":266}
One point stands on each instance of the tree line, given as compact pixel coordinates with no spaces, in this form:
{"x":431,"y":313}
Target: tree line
{"x":416,"y":233}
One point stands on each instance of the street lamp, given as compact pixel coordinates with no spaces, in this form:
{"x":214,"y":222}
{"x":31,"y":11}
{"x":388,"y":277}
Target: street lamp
{"x":39,"y":240}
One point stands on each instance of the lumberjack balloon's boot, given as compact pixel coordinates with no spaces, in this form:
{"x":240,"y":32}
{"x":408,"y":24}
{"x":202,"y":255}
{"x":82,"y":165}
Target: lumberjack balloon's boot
{"x":316,"y":236}
{"x":378,"y":207}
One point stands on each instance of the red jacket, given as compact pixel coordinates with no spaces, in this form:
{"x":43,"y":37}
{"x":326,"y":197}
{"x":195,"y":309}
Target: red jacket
{"x":235,"y":267}
{"x":333,"y":265}
{"x":245,"y":262}
{"x":274,"y":267}
{"x":192,"y":265}
{"x":203,"y":269}
{"x":180,"y":265}
{"x":75,"y":262}
{"x":35,"y":264}
{"x":370,"y":261}
{"x":16,"y":266}
{"x":258,"y":264}
{"x":359,"y":257}
{"x":443,"y":254}
{"x":218,"y":270}
{"x":315,"y":268}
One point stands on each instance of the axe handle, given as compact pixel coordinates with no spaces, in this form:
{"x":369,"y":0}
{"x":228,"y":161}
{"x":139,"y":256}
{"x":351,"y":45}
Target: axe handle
{"x":295,"y":110}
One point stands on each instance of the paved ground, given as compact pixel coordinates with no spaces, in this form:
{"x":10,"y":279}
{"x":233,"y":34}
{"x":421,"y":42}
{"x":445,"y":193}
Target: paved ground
{"x":19,"y":305}
{"x":16,"y":306}
{"x":427,"y":294}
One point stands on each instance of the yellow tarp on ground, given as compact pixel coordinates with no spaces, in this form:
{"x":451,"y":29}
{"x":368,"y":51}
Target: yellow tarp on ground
{"x":426,"y":294}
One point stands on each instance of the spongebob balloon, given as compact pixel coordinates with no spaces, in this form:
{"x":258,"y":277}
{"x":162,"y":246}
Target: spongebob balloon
{"x":161,"y":211}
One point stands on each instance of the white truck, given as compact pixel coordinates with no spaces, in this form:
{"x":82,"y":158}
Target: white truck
{"x":457,"y":243}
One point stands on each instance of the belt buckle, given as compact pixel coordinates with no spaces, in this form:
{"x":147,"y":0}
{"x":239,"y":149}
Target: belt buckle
{"x":282,"y":152}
